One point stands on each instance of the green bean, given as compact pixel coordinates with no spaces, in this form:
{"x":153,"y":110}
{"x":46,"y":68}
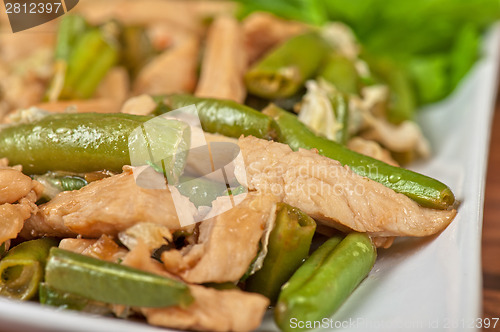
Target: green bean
{"x":283,"y":71}
{"x":224,"y":117}
{"x":57,"y":182}
{"x":89,"y":142}
{"x":53,"y":297}
{"x":71,"y":28}
{"x":427,"y":191}
{"x":87,"y":84}
{"x":107,"y":282}
{"x":92,"y":57}
{"x":342,"y":73}
{"x":289,"y":244}
{"x":22,"y":269}
{"x":332,"y":275}
{"x":340,"y":105}
{"x":402,"y":101}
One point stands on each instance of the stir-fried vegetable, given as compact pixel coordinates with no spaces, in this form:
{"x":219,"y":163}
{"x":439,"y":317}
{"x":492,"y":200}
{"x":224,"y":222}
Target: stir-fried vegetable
{"x":22,"y":269}
{"x":83,"y":55}
{"x":224,"y":117}
{"x":284,"y":70}
{"x":53,"y":297}
{"x":87,"y":142}
{"x":326,"y":279}
{"x":112,"y":283}
{"x":423,"y":189}
{"x":342,"y":73}
{"x":289,"y":244}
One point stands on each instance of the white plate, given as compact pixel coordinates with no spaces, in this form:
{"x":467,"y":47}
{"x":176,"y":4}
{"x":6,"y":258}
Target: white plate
{"x":417,"y":284}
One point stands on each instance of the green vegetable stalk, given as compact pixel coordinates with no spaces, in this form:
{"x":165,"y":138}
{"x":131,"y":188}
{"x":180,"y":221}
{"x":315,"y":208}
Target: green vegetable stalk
{"x":284,"y":70}
{"x":340,"y":103}
{"x":426,"y":191}
{"x":89,"y":142}
{"x":342,"y":73}
{"x":325,"y":280}
{"x":107,"y":282}
{"x":289,"y":244}
{"x":84,"y":56}
{"x":22,"y":269}
{"x":224,"y":117}
{"x":71,"y":28}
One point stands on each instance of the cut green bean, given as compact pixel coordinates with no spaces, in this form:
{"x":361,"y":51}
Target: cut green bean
{"x":224,"y":117}
{"x":330,"y":276}
{"x":402,"y":103}
{"x":71,"y":28}
{"x":107,"y":282}
{"x":289,"y":244}
{"x":92,"y":57}
{"x":22,"y":269}
{"x":283,"y":71}
{"x":340,"y":105}
{"x":53,"y":297}
{"x":427,"y":191}
{"x":89,"y":142}
{"x":88,"y":84}
{"x":342,"y":73}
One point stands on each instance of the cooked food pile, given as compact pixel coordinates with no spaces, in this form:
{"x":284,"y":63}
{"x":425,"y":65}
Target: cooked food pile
{"x":320,"y":125}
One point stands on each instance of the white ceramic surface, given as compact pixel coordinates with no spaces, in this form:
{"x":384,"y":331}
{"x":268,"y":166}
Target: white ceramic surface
{"x":417,"y":284}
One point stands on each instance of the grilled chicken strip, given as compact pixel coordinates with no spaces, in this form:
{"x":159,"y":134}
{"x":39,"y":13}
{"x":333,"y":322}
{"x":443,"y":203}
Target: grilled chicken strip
{"x":18,"y":194}
{"x":227,"y":243}
{"x":107,"y":206}
{"x":173,"y":71}
{"x":333,"y":194}
{"x":212,"y":310}
{"x":224,"y":62}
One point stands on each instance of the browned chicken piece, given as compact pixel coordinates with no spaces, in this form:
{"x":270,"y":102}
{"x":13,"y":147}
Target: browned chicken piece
{"x":212,"y":310}
{"x":103,"y":248}
{"x":371,"y":149}
{"x":173,"y":71}
{"x":139,"y":105}
{"x":333,"y":194}
{"x":107,"y":206}
{"x":115,"y":86}
{"x":224,"y":62}
{"x":262,"y":31}
{"x":18,"y":194}
{"x":101,"y":105}
{"x":227,"y":243}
